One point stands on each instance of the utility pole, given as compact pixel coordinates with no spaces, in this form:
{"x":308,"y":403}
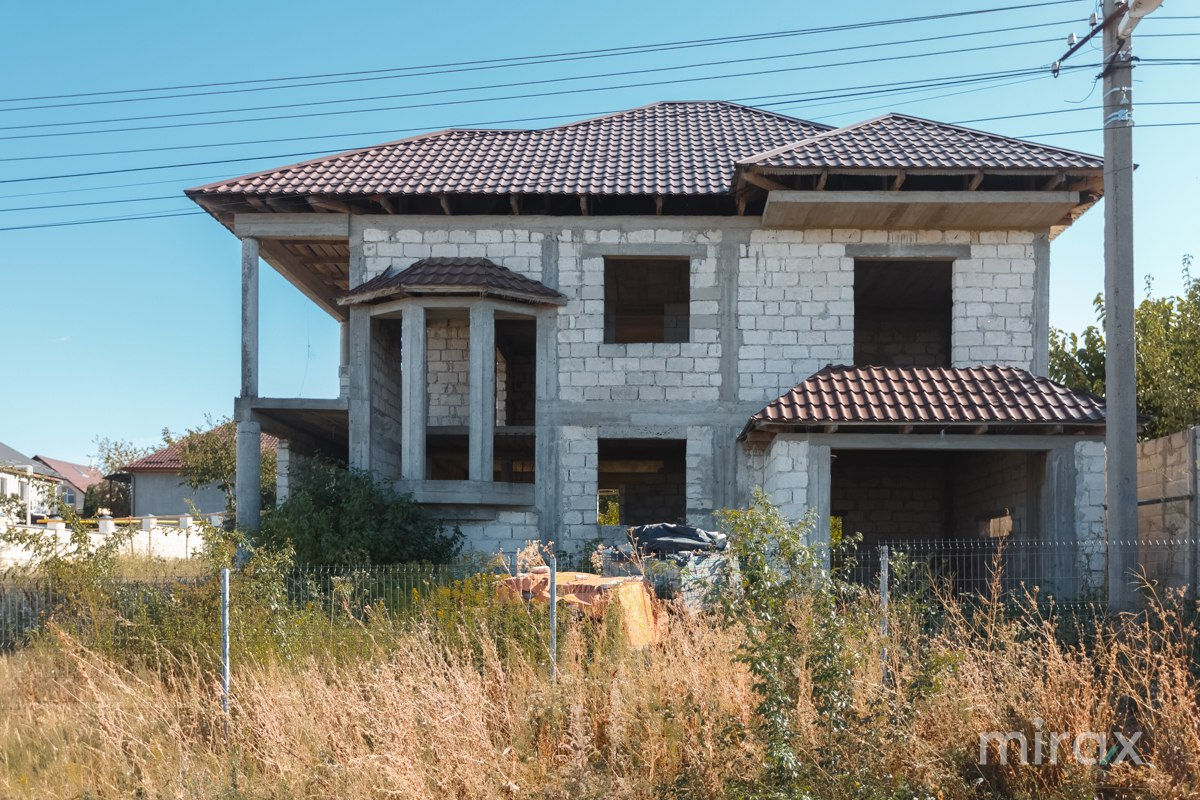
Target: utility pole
{"x":1120,"y":387}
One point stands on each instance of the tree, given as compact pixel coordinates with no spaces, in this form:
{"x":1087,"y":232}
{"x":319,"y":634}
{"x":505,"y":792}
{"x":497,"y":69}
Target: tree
{"x":1167,"y":335}
{"x":111,"y":456}
{"x":209,"y":455}
{"x":339,"y":516}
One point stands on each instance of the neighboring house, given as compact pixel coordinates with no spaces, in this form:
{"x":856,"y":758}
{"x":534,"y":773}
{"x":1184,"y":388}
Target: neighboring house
{"x":36,"y":484}
{"x":158,"y":485}
{"x":675,"y":304}
{"x":76,"y":479}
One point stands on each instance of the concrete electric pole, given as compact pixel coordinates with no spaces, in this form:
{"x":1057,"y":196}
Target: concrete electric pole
{"x":1119,"y":20}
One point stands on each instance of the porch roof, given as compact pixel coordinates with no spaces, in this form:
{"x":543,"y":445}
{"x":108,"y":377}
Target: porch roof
{"x":932,"y":399}
{"x":456,"y":276}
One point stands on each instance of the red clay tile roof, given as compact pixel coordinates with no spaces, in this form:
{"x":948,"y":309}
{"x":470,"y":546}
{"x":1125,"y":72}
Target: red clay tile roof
{"x":78,"y":475}
{"x":898,"y":141}
{"x":169,"y":458}
{"x":931,"y":396}
{"x":452,"y":275}
{"x":670,"y":148}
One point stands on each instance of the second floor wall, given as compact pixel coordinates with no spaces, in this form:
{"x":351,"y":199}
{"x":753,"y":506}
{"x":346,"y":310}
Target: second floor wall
{"x":678,"y":309}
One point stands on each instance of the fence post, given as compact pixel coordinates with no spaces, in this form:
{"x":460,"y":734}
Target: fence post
{"x":883,"y":605}
{"x":553,"y":617}
{"x":225,"y":648}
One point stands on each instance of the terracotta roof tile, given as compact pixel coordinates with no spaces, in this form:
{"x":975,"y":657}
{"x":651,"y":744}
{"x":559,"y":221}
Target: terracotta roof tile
{"x":898,"y":141}
{"x":170,"y":458}
{"x":452,"y":274}
{"x":666,"y":148}
{"x":939,"y":396}
{"x":78,"y":475}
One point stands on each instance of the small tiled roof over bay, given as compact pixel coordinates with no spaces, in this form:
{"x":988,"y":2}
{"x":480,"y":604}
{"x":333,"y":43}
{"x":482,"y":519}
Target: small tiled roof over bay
{"x":898,"y":141}
{"x":450,"y":275}
{"x":930,"y":397}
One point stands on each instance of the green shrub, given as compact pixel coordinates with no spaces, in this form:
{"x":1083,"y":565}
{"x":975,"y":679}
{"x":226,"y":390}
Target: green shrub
{"x":339,"y":516}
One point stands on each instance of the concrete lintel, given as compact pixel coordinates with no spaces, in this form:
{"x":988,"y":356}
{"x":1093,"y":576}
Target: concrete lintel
{"x":292,"y":226}
{"x":292,"y":403}
{"x":551,"y":224}
{"x":414,"y":399}
{"x":918,"y":210}
{"x":393,"y":307}
{"x":647,"y":250}
{"x":953,"y":441}
{"x":909,"y":251}
{"x":472,"y":493}
{"x":481,"y":391}
{"x":642,"y":431}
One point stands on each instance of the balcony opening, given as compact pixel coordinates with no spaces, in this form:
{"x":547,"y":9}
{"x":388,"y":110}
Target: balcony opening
{"x":642,"y":481}
{"x":516,"y":395}
{"x":902,"y":313}
{"x":646,"y":300}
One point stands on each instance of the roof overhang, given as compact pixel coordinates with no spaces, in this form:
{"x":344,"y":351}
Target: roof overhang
{"x":922,"y":210}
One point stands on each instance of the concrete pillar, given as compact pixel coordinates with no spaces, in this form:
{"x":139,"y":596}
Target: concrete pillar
{"x":249,"y":317}
{"x":545,"y":454}
{"x":105,"y":525}
{"x":482,"y":391}
{"x":1041,"y":305}
{"x":283,"y":466}
{"x":414,"y":398}
{"x":248,"y":478}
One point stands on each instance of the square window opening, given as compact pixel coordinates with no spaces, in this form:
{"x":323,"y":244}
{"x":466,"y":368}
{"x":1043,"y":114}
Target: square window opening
{"x":902,"y":313}
{"x":642,"y":481}
{"x":646,"y":300}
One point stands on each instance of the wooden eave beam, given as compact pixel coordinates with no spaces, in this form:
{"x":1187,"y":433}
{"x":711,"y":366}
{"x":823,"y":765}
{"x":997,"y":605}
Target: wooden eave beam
{"x":762,"y":182}
{"x":976,"y":179}
{"x":898,"y":181}
{"x":329,"y":204}
{"x":514,"y":202}
{"x":386,"y":203}
{"x":583,"y":204}
{"x":1054,"y":182}
{"x":445,"y":201}
{"x":821,"y":179}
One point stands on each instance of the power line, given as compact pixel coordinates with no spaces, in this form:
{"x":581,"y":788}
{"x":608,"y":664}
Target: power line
{"x":543,"y":82}
{"x":533,"y":59}
{"x":868,"y":89}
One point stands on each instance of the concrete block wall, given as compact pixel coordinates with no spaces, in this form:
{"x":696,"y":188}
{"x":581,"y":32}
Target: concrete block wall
{"x":795,"y":308}
{"x":767,"y":308}
{"x":1169,"y":510}
{"x":506,"y":532}
{"x":1090,"y":532}
{"x":985,"y":484}
{"x":994,"y":291}
{"x":448,"y":373}
{"x":900,"y":338}
{"x":891,"y":495}
{"x":578,"y":466}
{"x":785,"y":476}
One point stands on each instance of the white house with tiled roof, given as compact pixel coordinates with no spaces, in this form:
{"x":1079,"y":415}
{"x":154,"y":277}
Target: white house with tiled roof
{"x":672,"y":305}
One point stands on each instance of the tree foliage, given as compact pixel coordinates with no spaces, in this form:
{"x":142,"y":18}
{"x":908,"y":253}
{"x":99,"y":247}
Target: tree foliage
{"x":1167,"y":335}
{"x":209,"y":455}
{"x":111,"y":455}
{"x":339,"y":516}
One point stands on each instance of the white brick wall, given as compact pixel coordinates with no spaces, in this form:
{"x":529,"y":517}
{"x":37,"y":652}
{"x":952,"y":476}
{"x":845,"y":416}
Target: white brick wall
{"x":447,"y":359}
{"x":993,"y":301}
{"x":578,"y":466}
{"x":795,"y":309}
{"x":785,"y":476}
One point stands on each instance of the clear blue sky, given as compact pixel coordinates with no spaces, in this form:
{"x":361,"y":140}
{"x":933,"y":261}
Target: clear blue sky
{"x":123,"y":328}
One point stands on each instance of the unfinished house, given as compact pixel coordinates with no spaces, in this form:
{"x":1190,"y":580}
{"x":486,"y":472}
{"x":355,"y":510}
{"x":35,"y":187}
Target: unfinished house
{"x":552,"y":334}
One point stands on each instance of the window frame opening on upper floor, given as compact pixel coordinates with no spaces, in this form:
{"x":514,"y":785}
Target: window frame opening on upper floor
{"x":903,"y":312}
{"x":647,"y":299}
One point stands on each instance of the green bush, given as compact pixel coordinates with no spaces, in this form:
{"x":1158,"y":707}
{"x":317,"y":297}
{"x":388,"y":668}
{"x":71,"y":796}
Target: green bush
{"x":339,"y":516}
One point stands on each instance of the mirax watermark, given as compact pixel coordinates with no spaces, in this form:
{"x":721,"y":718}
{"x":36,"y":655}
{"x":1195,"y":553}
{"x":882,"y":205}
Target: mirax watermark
{"x":1088,"y":748}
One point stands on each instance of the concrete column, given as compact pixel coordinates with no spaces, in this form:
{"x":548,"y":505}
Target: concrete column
{"x":414,"y":398}
{"x":482,"y":391}
{"x":283,"y":467}
{"x":249,"y":317}
{"x":545,"y":453}
{"x":1041,"y":305}
{"x":248,"y":478}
